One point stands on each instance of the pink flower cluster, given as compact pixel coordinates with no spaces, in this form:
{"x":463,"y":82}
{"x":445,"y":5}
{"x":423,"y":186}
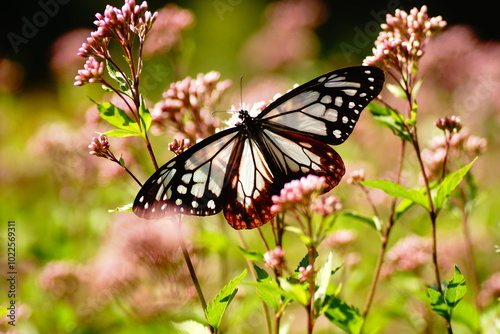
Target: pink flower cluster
{"x":305,"y":192}
{"x":121,"y":25}
{"x":274,"y":258}
{"x":403,"y":39}
{"x":92,"y":72}
{"x":188,"y":104}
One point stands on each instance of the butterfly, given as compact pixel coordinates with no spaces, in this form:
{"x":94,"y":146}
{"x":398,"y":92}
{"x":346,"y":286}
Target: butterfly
{"x":239,"y":169}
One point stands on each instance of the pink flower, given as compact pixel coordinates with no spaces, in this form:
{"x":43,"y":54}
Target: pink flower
{"x":275,"y":257}
{"x":356,"y":176}
{"x":188,"y":104}
{"x":449,"y":123}
{"x":92,"y":72}
{"x":326,"y":205}
{"x":403,"y":38}
{"x":298,"y":192}
{"x":305,"y":273}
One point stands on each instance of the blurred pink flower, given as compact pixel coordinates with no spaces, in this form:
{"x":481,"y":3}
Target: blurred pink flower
{"x":166,"y":32}
{"x":356,"y":176}
{"x":490,"y":290}
{"x":63,"y":61}
{"x":340,"y":238}
{"x":287,"y":36}
{"x":326,"y":205}
{"x":408,"y":254}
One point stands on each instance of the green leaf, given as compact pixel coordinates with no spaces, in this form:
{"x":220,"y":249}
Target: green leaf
{"x":125,"y":208}
{"x":343,"y":316}
{"x":449,"y":184}
{"x":390,"y":119}
{"x":456,"y":289}
{"x":121,"y":133}
{"x":443,"y":304}
{"x":396,"y":190}
{"x":438,"y":303}
{"x":305,"y":261}
{"x":294,"y":291}
{"x":119,"y":78}
{"x":396,"y":90}
{"x":252,"y":256}
{"x":145,"y":116}
{"x":267,"y":289}
{"x":190,"y":326}
{"x":117,"y":117}
{"x":404,"y":206}
{"x":217,"y":307}
{"x":373,"y":222}
{"x":322,"y":282}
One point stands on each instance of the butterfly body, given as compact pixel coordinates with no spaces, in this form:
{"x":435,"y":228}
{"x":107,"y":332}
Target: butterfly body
{"x":239,"y":169}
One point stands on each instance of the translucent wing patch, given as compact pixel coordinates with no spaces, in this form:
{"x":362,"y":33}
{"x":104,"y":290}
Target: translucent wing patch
{"x":326,"y":108}
{"x":191,"y":183}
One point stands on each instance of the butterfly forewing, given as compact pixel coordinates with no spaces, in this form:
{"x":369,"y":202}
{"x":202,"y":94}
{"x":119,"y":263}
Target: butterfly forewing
{"x":327,"y":108}
{"x":191,"y":183}
{"x":238,"y":170}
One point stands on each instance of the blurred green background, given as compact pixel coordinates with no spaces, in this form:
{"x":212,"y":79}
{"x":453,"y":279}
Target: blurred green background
{"x":58,"y":195}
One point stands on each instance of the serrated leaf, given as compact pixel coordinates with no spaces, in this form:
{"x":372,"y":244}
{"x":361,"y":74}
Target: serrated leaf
{"x":456,"y":289}
{"x":117,"y":117}
{"x":190,"y":327}
{"x":252,"y":256}
{"x":304,"y":262}
{"x":217,"y":307}
{"x":343,"y":315}
{"x":125,"y":208}
{"x":145,"y":116}
{"x":396,"y":190}
{"x":449,"y":184}
{"x":267,"y":289}
{"x":438,"y":303}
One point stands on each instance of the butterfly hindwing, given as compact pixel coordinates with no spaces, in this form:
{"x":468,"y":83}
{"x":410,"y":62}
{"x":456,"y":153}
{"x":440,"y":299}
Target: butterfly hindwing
{"x":328,"y":107}
{"x":264,"y":167}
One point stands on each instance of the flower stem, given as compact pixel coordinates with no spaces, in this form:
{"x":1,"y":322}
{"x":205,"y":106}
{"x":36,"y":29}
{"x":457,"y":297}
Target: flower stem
{"x":192,"y":271}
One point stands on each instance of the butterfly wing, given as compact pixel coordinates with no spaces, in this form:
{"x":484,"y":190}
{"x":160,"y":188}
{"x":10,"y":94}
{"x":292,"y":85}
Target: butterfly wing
{"x":193,"y":182}
{"x":264,"y":166}
{"x":328,"y":107}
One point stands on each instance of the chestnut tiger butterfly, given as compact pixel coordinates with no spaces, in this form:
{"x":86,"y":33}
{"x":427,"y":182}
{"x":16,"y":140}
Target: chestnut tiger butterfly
{"x":239,"y":169}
